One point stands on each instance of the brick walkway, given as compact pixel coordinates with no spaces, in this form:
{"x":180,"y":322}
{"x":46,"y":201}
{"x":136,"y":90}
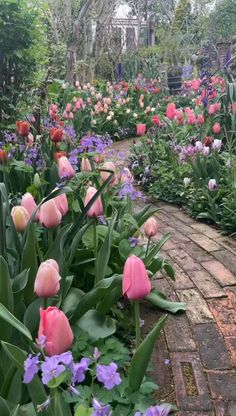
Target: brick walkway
{"x":195,"y":359}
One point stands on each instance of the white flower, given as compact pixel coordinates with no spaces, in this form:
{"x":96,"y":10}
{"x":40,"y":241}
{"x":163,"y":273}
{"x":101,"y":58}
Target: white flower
{"x":135,"y":115}
{"x":153,"y":109}
{"x":109,"y":118}
{"x":128,"y":111}
{"x":216,"y":145}
{"x":199,"y":146}
{"x":186,"y":181}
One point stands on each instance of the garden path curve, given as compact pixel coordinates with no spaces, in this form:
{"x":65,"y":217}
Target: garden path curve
{"x":195,"y":358}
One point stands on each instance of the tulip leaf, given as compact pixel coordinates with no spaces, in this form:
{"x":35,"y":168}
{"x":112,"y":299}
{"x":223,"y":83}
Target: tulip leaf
{"x":91,"y":299}
{"x":157,"y":299}
{"x":4,"y":409}
{"x":35,"y":388}
{"x":56,"y":251}
{"x":31,"y":316}
{"x":125,"y":249}
{"x":15,"y":411}
{"x":6,"y":299}
{"x":7,"y":316}
{"x":105,"y":250}
{"x":142,"y":356}
{"x":29,"y":261}
{"x":156,"y":248}
{"x":20,"y":281}
{"x":71,"y":301}
{"x":97,"y":325}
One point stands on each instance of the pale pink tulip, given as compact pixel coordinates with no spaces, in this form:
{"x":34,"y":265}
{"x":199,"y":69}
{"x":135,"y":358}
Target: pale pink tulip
{"x":62,"y":204}
{"x":49,"y":214}
{"x":65,"y":169}
{"x":150,"y":227}
{"x":29,"y":204}
{"x":20,"y":217}
{"x":47,"y":281}
{"x":97,"y":209}
{"x":85,"y":165}
{"x":136,"y":283}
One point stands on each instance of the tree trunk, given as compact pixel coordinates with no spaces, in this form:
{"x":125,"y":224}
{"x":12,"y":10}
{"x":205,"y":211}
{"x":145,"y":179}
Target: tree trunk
{"x":70,"y":59}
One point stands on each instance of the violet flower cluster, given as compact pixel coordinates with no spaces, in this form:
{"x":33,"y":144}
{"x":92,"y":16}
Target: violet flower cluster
{"x":96,"y":144}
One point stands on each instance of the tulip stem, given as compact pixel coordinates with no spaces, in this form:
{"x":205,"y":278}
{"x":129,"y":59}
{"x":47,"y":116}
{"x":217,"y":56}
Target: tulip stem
{"x":45,"y":303}
{"x":148,"y":245}
{"x":50,"y":237}
{"x":95,"y":250}
{"x":137,"y":323}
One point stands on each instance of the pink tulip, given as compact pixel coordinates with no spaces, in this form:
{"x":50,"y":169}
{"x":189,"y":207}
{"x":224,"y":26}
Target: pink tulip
{"x":49,"y":214}
{"x":71,"y":115}
{"x":98,"y":158}
{"x":200,"y":119}
{"x":136,"y":283}
{"x":216,"y":128}
{"x":65,"y":169}
{"x":141,"y":129}
{"x":47,"y":281}
{"x":234,"y":107}
{"x":20,"y":217}
{"x":85,"y":165}
{"x":62,"y":204}
{"x":105,"y":175}
{"x":97,"y":209}
{"x":150,"y":227}
{"x":170,"y":111}
{"x":29,"y":204}
{"x":211,"y":109}
{"x":217,"y":107}
{"x":191,"y":119}
{"x":55,"y":326}
{"x":68,"y":107}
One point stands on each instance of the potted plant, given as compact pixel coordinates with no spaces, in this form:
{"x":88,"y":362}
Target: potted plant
{"x":174,"y":79}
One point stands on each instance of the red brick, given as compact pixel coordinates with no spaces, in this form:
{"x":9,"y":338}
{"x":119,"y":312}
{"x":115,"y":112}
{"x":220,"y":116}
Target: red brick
{"x":223,"y":276}
{"x":206,"y":284}
{"x":201,"y":401}
{"x":225,"y":408}
{"x":184,"y":217}
{"x":185,"y":261}
{"x":178,"y":334}
{"x":182,"y":281}
{"x":197,"y":308}
{"x":204,"y":242}
{"x":224,"y":312}
{"x":227,"y":243}
{"x":231,"y":346}
{"x":228,"y":259}
{"x":196,"y":252}
{"x":222,"y":384}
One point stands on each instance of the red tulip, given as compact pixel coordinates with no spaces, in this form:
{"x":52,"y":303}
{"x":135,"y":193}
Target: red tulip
{"x":97,"y":209}
{"x":62,"y":204}
{"x":22,"y":128}
{"x":136,"y":283}
{"x":29,"y":204}
{"x":65,"y":169}
{"x":55,"y":326}
{"x":208,"y":141}
{"x":3,"y":156}
{"x":47,"y":281}
{"x":216,"y":128}
{"x":85,"y":165}
{"x":57,"y":155}
{"x":141,"y":129}
{"x":150,"y":227}
{"x":49,"y":214}
{"x":56,"y":134}
{"x":156,"y":120}
{"x":20,"y":218}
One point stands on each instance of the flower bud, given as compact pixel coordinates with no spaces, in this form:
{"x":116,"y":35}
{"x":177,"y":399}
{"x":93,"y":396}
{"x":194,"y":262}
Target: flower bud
{"x":136,"y":283}
{"x":150,"y":227}
{"x":47,"y":281}
{"x":20,"y":217}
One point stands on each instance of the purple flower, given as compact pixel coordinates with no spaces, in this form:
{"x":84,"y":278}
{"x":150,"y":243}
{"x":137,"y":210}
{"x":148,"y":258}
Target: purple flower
{"x":162,"y":410}
{"x":205,"y":151}
{"x":133,"y":241}
{"x":216,"y":145}
{"x":128,"y":189}
{"x":51,"y":369}
{"x":96,"y":354}
{"x":108,"y":375}
{"x":65,"y":358}
{"x":41,"y":342}
{"x":72,"y":390}
{"x":31,"y":368}
{"x":212,"y":185}
{"x":79,"y":370}
{"x":101,"y":220}
{"x":167,"y":361}
{"x":99,"y":409}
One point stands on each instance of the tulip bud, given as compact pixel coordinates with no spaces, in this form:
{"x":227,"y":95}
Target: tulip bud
{"x":136,"y":283}
{"x":37,"y":181}
{"x":22,"y":128}
{"x":55,"y":327}
{"x":65,"y":169}
{"x":109,"y":166}
{"x":20,"y":218}
{"x":29,"y":204}
{"x":56,"y":134}
{"x":150,"y":227}
{"x":97,"y":209}
{"x":49,"y":215}
{"x":85,"y":165}
{"x":47,"y":281}
{"x":141,"y":129}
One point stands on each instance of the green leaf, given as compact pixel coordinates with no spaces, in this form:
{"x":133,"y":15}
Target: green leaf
{"x":90,"y":299}
{"x":55,"y":382}
{"x":126,"y":250}
{"x":156,"y":248}
{"x":31,"y":316}
{"x":169,"y":270}
{"x":156,"y":299}
{"x":105,"y":250}
{"x":97,"y":325}
{"x":71,"y":301}
{"x":15,"y":411}
{"x":56,"y":251}
{"x":29,"y":261}
{"x":142,"y":356}
{"x":4,"y":409}
{"x":83,"y":411}
{"x":20,"y":281}
{"x":7,"y":316}
{"x":6,"y":299}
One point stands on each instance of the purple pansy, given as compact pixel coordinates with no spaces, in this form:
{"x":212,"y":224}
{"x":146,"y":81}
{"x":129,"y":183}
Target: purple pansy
{"x":79,"y":370}
{"x":108,"y":375}
{"x":51,"y":369}
{"x":31,"y":368}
